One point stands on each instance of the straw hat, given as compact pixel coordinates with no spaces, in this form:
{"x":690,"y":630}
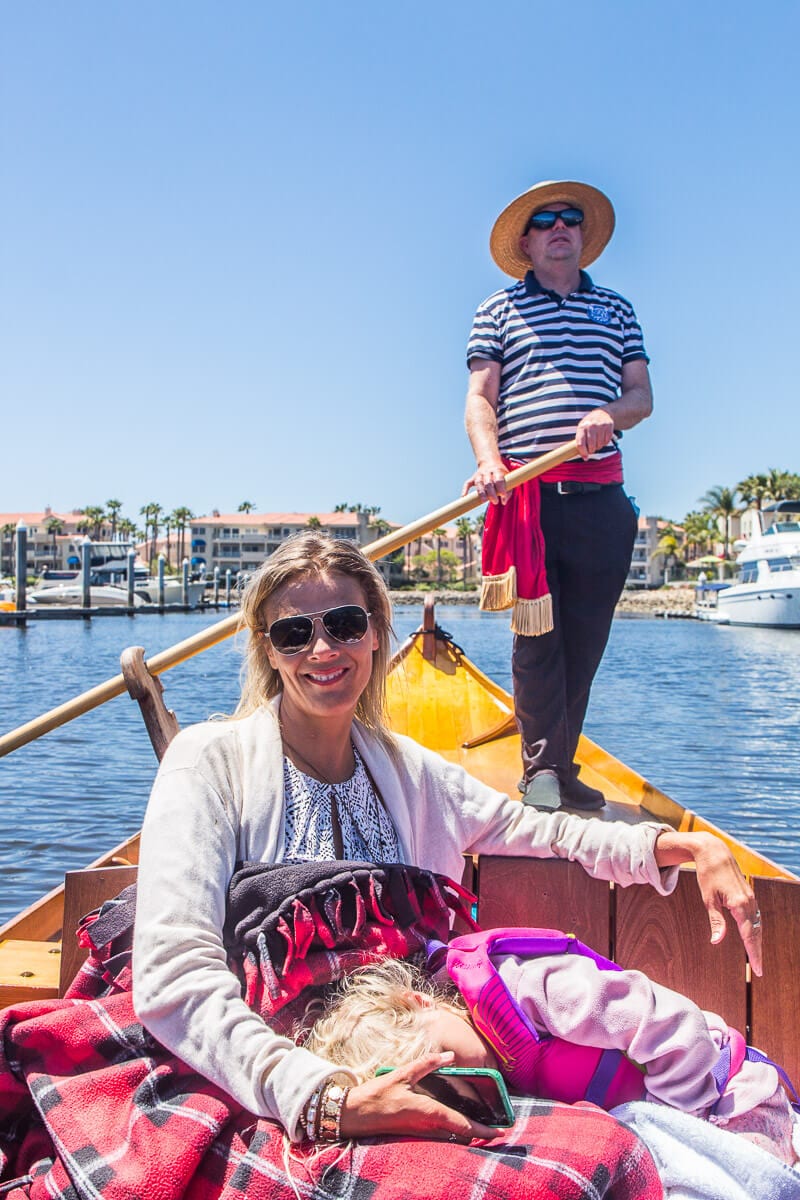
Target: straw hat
{"x":598,"y":222}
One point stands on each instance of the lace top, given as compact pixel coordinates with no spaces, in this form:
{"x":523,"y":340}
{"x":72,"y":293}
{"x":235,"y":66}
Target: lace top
{"x":368,"y":834}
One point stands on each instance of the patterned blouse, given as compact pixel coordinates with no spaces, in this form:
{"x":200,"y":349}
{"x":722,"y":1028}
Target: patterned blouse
{"x":368,"y":834}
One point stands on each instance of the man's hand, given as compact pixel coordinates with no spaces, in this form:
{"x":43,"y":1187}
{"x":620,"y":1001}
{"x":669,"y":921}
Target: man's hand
{"x":489,"y":481}
{"x":722,"y":885}
{"x":594,"y":431}
{"x":388,"y":1106}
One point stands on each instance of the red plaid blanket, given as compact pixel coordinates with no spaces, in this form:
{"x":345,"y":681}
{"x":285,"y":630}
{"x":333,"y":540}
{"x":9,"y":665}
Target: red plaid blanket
{"x":91,"y":1106}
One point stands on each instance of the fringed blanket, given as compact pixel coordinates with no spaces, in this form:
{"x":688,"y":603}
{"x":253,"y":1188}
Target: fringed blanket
{"x":91,"y":1106}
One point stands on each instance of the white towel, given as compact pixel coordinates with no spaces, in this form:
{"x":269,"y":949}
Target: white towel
{"x":699,"y":1161}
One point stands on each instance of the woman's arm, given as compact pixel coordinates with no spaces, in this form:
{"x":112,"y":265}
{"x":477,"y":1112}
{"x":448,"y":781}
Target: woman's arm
{"x":183,"y":990}
{"x":722,"y":885}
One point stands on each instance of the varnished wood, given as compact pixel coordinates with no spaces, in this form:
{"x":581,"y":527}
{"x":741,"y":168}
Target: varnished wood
{"x":775,"y":1009}
{"x":545,"y":893}
{"x":84,"y":891}
{"x":669,"y":939}
{"x":429,"y":627}
{"x":29,"y":970}
{"x":148,"y":692}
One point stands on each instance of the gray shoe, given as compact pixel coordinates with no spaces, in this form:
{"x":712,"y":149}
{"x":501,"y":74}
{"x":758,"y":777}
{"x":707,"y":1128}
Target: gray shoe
{"x":580,"y":796}
{"x":543,"y":792}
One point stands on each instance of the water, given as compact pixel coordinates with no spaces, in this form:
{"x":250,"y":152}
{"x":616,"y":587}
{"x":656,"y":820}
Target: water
{"x":711,"y":715}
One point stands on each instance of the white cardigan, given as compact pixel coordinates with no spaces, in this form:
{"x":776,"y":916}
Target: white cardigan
{"x":218,"y":799}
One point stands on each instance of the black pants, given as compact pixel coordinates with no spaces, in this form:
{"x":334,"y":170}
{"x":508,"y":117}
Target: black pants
{"x":589,"y":542}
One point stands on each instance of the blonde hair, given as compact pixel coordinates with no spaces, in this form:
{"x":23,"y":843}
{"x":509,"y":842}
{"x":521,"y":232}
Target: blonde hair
{"x":375,"y":1020}
{"x":310,"y":555}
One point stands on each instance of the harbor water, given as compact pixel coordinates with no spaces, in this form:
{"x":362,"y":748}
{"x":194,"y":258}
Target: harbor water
{"x":709,"y":714}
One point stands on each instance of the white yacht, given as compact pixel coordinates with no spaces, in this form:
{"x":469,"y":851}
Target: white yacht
{"x":766,"y":590}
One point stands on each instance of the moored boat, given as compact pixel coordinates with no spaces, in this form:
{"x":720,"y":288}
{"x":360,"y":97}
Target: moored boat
{"x":767,"y":586}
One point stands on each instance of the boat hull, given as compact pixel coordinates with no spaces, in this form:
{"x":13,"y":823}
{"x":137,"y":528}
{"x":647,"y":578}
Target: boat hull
{"x":767,"y":604}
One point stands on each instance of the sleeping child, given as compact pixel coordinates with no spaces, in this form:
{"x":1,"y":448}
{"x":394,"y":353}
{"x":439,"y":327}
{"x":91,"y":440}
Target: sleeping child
{"x":562,"y":1023}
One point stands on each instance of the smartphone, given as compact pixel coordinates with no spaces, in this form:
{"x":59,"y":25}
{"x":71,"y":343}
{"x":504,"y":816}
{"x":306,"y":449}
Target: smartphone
{"x":479,"y":1093}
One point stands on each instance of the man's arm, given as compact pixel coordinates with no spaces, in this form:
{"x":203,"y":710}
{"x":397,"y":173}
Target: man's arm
{"x":481,"y":424}
{"x":634,"y":405}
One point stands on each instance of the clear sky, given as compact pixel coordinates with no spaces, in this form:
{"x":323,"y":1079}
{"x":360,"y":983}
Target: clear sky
{"x":241,"y":244}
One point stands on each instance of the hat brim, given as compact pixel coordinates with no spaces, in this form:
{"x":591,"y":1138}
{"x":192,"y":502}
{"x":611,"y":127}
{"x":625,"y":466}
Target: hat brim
{"x":597,"y":228}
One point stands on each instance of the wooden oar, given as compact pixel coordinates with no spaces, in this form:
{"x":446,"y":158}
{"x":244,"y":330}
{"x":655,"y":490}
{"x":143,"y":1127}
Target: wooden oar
{"x":227,"y":626}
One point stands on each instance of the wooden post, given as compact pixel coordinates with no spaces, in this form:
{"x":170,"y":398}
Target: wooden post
{"x":21,"y":565}
{"x":161,"y":563}
{"x":131,"y":579}
{"x":86,"y":573}
{"x":185,"y":596}
{"x":228,"y":587}
{"x":216,"y":588}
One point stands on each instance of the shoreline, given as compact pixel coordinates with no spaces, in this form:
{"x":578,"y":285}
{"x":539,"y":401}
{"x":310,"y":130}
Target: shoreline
{"x":675,"y":602}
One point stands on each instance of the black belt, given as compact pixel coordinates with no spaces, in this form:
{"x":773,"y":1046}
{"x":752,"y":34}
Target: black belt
{"x":572,"y":487}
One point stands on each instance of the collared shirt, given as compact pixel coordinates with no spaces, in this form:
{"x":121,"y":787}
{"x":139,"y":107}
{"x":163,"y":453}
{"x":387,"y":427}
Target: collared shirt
{"x":561,"y":357}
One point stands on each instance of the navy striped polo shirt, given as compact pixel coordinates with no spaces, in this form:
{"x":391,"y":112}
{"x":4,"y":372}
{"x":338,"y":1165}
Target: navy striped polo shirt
{"x":561,"y":357}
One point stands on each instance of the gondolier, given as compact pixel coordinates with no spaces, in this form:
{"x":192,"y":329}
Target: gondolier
{"x":552,"y":358}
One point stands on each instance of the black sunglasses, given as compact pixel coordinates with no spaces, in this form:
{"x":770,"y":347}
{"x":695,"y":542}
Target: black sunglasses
{"x":548,"y":218}
{"x":347,"y":623}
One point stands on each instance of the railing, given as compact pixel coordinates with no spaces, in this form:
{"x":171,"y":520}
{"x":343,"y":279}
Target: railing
{"x":186,"y":649}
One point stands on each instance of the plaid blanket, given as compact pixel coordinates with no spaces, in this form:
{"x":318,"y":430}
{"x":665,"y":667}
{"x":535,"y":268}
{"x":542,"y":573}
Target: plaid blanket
{"x":91,"y":1106}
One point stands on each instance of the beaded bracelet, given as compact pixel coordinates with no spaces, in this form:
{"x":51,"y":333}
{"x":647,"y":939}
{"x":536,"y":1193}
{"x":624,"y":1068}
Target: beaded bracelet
{"x":309,"y":1117}
{"x":330,"y":1124}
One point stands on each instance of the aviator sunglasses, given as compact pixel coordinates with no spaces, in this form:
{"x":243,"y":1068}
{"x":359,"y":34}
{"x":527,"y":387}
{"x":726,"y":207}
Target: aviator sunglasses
{"x":347,"y":623}
{"x":547,"y":218}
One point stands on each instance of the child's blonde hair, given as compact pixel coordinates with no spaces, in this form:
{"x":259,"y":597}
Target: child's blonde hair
{"x":376,"y":1020}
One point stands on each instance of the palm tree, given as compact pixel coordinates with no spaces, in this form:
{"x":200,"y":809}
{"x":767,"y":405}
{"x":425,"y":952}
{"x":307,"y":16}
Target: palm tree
{"x":439,"y":534}
{"x":669,"y":545}
{"x":314,"y":523}
{"x":721,"y":503}
{"x":698,"y":529}
{"x":754,"y":490}
{"x":126,"y":529}
{"x":92,"y":523}
{"x":8,"y":532}
{"x":777,"y":482}
{"x":152,"y":514}
{"x":180,"y":518}
{"x":465,"y":529}
{"x":54,"y":526}
{"x":343,"y":507}
{"x":246,"y":506}
{"x":113,"y":508}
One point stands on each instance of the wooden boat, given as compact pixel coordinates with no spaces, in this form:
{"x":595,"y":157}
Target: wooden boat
{"x":444,"y":701}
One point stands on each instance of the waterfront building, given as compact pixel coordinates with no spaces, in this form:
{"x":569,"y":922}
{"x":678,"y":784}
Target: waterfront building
{"x":240,"y":542}
{"x":648,"y":568}
{"x":54,"y":539}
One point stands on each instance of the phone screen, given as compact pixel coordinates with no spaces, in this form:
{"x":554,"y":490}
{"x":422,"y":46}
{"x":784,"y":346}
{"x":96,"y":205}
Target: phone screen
{"x":481,"y":1097}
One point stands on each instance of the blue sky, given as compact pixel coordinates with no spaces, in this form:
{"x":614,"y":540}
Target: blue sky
{"x":241,"y":245}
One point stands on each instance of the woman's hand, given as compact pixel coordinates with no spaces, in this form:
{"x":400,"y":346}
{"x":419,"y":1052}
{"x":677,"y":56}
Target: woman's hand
{"x":722,"y":885}
{"x":388,"y":1106}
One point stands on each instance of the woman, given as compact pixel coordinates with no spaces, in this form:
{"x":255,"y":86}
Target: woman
{"x":307,"y":769}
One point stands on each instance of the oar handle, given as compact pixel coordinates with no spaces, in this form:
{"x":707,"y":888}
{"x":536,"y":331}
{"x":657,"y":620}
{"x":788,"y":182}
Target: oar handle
{"x":228,"y":625}
{"x":456,"y":508}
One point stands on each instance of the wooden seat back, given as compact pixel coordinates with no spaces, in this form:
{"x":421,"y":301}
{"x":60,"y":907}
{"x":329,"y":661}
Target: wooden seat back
{"x":666,"y":937}
{"x":84,"y":891}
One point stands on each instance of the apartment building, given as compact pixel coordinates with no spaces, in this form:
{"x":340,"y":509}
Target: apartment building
{"x":647,"y":568}
{"x":241,"y":541}
{"x":53,"y":540}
